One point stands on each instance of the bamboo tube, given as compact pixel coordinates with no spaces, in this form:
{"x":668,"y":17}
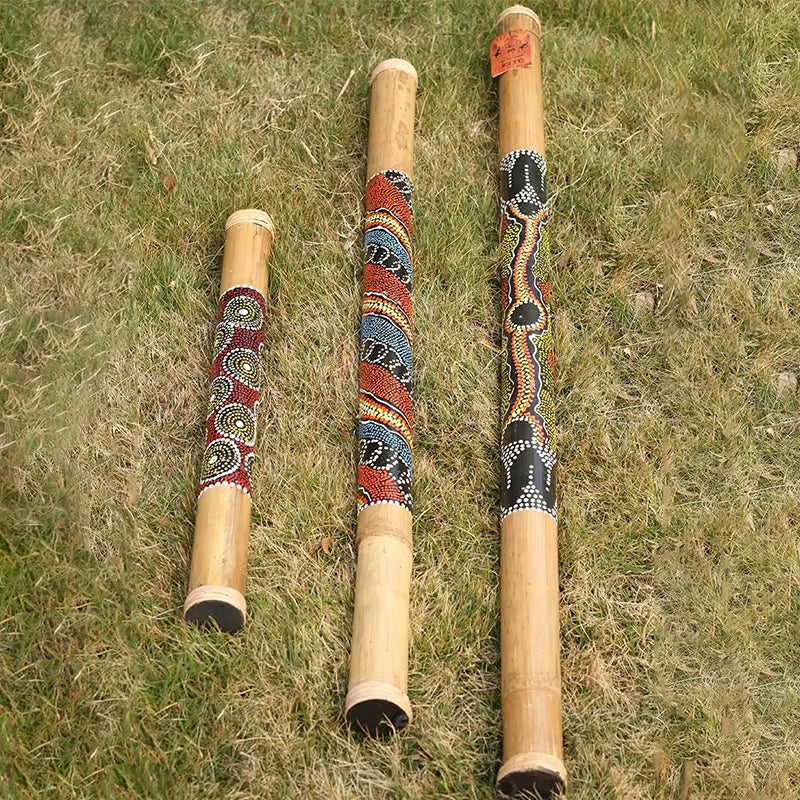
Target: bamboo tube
{"x":222,"y":526}
{"x":377,"y":703}
{"x":529,"y":629}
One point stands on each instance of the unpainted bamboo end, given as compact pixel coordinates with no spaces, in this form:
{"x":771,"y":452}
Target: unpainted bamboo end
{"x":252,"y":215}
{"x":520,"y":10}
{"x":399,"y":64}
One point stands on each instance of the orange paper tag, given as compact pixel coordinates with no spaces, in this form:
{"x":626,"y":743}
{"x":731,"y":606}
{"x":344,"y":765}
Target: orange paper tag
{"x":511,"y":50}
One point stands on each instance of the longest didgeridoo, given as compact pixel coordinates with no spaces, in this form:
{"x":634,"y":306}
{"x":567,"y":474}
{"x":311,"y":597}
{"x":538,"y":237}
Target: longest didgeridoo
{"x":222,"y":527}
{"x":529,"y":627}
{"x":377,"y":702}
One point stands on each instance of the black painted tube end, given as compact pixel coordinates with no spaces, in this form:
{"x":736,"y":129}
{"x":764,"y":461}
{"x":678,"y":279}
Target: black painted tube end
{"x":377,"y":718}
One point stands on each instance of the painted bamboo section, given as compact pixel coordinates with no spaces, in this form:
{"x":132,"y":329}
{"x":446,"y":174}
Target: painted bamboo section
{"x":377,"y":703}
{"x":529,"y":595}
{"x":222,"y":526}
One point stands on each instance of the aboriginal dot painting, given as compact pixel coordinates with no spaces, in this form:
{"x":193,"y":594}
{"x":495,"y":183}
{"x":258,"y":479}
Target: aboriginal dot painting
{"x":235,"y":389}
{"x":528,"y":451}
{"x":385,"y":407}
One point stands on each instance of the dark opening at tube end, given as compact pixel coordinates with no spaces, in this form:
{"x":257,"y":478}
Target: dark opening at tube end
{"x":220,"y":606}
{"x":377,"y":718}
{"x":533,"y":783}
{"x":377,"y":709}
{"x":539,"y":776}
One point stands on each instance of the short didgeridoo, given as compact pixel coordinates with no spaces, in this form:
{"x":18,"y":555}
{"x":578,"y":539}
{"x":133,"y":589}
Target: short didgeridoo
{"x":529,"y":627}
{"x":377,"y":703}
{"x":222,"y":526}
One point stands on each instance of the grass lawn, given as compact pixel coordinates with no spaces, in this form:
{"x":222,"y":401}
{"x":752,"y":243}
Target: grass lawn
{"x":673,"y":130}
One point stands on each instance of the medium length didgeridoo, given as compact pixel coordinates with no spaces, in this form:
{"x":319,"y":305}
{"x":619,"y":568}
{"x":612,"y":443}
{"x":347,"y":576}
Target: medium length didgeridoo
{"x":222,"y":527}
{"x":377,"y":703}
{"x":529,"y":628}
